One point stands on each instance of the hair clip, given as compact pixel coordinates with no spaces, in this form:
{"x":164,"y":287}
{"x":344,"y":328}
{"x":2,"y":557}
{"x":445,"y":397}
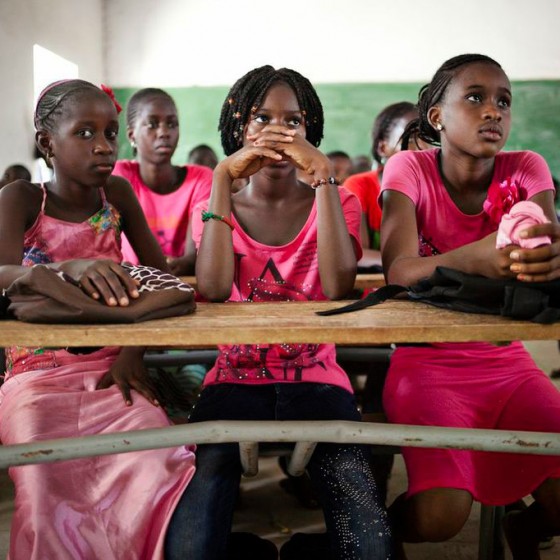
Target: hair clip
{"x":111,"y":94}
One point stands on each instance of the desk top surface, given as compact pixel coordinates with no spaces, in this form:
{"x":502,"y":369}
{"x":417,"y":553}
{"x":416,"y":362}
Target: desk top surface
{"x":284,"y":322}
{"x":363,"y":281}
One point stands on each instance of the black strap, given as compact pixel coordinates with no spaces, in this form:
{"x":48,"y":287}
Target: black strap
{"x":373,"y":298}
{"x":4,"y":304}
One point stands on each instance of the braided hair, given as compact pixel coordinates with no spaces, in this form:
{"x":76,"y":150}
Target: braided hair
{"x":433,"y":93}
{"x":384,"y":124}
{"x":53,"y":98}
{"x":247,"y":95}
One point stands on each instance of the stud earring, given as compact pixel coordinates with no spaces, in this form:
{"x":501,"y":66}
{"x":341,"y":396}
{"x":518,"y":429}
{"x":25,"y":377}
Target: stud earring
{"x":439,"y":126}
{"x":133,"y":144}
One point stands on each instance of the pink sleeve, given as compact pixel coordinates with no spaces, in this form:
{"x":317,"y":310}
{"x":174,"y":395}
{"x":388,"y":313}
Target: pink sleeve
{"x":122,"y":169}
{"x":203,"y":187}
{"x":197,"y":225}
{"x":352,"y":211}
{"x":401,"y":174}
{"x":533,"y":174}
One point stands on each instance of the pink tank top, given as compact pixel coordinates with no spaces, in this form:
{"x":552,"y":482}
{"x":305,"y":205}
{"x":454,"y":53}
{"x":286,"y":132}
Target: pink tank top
{"x":51,"y":240}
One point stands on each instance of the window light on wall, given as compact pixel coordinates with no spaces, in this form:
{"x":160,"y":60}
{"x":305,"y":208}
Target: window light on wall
{"x":49,"y":67}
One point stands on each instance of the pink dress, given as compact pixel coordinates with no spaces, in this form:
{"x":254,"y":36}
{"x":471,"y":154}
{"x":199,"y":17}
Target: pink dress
{"x":168,"y":215}
{"x":280,"y":273}
{"x":468,"y":385}
{"x":112,"y":507}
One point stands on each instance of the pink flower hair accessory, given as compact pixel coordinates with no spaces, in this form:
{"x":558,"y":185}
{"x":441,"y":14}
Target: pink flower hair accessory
{"x":501,"y":197}
{"x":111,"y":94}
{"x":522,"y":215}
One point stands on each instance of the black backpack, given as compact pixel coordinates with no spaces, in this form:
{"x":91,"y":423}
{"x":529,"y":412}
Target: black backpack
{"x":452,"y":289}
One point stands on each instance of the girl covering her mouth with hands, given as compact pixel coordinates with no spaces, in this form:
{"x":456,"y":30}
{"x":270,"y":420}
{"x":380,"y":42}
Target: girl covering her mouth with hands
{"x":278,"y":239}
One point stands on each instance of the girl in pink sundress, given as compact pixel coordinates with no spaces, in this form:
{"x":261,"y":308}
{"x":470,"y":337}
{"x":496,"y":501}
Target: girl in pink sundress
{"x":113,"y":506}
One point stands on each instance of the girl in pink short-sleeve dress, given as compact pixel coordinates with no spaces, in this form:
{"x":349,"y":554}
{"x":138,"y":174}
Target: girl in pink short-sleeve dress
{"x":442,"y":207}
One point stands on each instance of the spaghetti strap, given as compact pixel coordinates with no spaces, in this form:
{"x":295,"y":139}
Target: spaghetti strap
{"x":44,"y":202}
{"x":103,"y":196}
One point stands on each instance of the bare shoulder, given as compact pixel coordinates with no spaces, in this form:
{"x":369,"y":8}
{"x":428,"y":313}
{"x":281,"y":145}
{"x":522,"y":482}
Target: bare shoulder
{"x":24,"y":189}
{"x":119,"y":192}
{"x":21,"y":198}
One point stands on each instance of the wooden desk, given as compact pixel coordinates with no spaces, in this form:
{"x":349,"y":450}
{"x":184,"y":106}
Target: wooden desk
{"x":242,"y":323}
{"x":363,"y":281}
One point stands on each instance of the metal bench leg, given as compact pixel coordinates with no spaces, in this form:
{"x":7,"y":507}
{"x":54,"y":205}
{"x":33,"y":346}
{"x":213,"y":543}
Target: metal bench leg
{"x":300,"y":457}
{"x":249,"y":456}
{"x":491,"y":541}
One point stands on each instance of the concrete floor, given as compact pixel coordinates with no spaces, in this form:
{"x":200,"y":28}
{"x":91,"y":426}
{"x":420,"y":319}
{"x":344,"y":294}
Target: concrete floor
{"x":268,"y":510}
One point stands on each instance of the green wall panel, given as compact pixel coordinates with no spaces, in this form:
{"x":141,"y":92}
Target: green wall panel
{"x":350,"y":110}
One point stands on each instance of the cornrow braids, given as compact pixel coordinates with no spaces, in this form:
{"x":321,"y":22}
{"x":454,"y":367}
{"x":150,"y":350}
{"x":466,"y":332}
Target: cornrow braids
{"x":52,"y":99}
{"x":410,"y":134}
{"x":247,"y":95}
{"x":434,"y":92}
{"x":384,"y":124}
{"x":135,"y":102}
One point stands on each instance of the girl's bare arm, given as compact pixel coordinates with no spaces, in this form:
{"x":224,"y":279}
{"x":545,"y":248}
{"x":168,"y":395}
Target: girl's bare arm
{"x":399,"y":248}
{"x":120,"y":194}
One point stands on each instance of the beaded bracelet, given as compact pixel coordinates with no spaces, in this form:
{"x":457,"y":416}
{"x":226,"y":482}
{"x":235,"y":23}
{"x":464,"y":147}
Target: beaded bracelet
{"x":211,"y":216}
{"x":320,"y":182}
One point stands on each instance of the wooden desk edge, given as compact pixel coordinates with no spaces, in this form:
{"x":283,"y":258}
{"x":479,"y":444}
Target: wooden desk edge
{"x":275,"y":323}
{"x":363,"y":281}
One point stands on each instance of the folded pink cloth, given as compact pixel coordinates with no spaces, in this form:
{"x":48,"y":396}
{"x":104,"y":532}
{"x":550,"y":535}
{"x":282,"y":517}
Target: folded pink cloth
{"x":522,"y":215}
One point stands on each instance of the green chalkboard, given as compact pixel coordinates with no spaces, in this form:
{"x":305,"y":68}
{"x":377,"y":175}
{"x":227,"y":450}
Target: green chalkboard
{"x":351,"y":108}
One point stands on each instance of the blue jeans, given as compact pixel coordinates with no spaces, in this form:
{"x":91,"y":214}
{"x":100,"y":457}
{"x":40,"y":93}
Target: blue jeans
{"x":356,"y":520}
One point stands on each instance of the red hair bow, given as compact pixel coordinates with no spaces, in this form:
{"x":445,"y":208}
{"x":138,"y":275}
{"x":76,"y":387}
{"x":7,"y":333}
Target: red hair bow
{"x":111,"y":94}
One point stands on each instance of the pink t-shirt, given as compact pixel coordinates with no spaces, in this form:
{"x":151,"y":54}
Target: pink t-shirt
{"x":280,"y":273}
{"x":442,"y":227}
{"x":168,"y":215}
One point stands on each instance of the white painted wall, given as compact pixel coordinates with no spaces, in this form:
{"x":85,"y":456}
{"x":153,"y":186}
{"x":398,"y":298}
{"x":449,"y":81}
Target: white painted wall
{"x":213,"y":42}
{"x":207,"y":42}
{"x":70,"y":28}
